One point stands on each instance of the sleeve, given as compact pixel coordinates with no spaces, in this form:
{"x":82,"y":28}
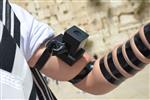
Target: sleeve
{"x":33,"y":33}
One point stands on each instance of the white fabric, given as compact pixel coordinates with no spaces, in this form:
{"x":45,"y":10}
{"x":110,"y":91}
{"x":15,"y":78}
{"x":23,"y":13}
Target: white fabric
{"x":10,"y":86}
{"x":21,"y":69}
{"x":33,"y":33}
{"x":16,"y":85}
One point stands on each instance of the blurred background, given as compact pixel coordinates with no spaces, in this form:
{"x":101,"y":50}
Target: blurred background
{"x":108,"y":22}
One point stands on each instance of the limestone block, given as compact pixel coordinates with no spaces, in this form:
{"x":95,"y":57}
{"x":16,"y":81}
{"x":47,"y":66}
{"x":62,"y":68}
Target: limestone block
{"x":53,"y":9}
{"x":97,"y":45}
{"x":64,"y":12}
{"x":31,"y":7}
{"x":125,"y":28}
{"x":81,"y":13}
{"x":94,"y":23}
{"x":57,"y":28}
{"x":127,"y":18}
{"x":115,"y":40}
{"x":106,"y":33}
{"x":125,"y":6}
{"x":53,"y":19}
{"x":118,"y":3}
{"x":114,"y":25}
{"x":59,"y":1}
{"x":41,"y":14}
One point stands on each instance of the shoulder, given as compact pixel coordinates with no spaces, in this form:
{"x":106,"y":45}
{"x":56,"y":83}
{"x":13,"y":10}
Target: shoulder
{"x":33,"y":32}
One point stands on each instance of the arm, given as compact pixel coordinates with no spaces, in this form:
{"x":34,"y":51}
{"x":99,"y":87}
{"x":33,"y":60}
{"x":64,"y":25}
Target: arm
{"x":57,"y":69}
{"x":109,"y":71}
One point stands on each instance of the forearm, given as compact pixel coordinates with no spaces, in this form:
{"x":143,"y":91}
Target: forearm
{"x":108,"y":72}
{"x":121,"y":63}
{"x":56,"y":68}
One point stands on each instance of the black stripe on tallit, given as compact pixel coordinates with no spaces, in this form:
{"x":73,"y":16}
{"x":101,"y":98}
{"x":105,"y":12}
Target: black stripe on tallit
{"x":33,"y":92}
{"x":47,"y":92}
{"x":17,"y":30}
{"x":40,"y":96}
{"x":8,"y":22}
{"x":1,"y":9}
{"x":7,"y":51}
{"x":8,"y":16}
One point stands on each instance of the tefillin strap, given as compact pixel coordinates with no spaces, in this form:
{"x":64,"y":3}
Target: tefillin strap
{"x":53,"y":48}
{"x":129,"y":58}
{"x":84,"y":72}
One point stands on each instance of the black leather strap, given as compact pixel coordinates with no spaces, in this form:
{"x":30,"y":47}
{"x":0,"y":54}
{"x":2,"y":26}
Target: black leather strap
{"x":43,"y":59}
{"x":45,"y":56}
{"x":147,"y":32}
{"x":132,"y":56}
{"x":107,"y":75}
{"x":113,"y":68}
{"x":141,"y":47}
{"x":123,"y":62}
{"x":53,"y":47}
{"x":84,"y":72}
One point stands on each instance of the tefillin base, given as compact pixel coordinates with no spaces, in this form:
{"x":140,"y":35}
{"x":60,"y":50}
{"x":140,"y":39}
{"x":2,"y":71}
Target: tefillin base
{"x":69,"y":47}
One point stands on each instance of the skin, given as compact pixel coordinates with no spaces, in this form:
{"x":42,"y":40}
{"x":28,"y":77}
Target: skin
{"x":55,"y":68}
{"x":143,"y":38}
{"x":94,"y":82}
{"x":127,"y":59}
{"x":118,"y":66}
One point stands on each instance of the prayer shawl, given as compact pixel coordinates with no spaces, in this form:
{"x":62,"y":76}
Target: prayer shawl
{"x":14,"y":70}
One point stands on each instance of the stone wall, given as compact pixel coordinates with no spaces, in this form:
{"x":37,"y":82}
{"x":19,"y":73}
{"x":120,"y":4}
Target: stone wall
{"x":109,"y":22}
{"x":106,"y":21}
